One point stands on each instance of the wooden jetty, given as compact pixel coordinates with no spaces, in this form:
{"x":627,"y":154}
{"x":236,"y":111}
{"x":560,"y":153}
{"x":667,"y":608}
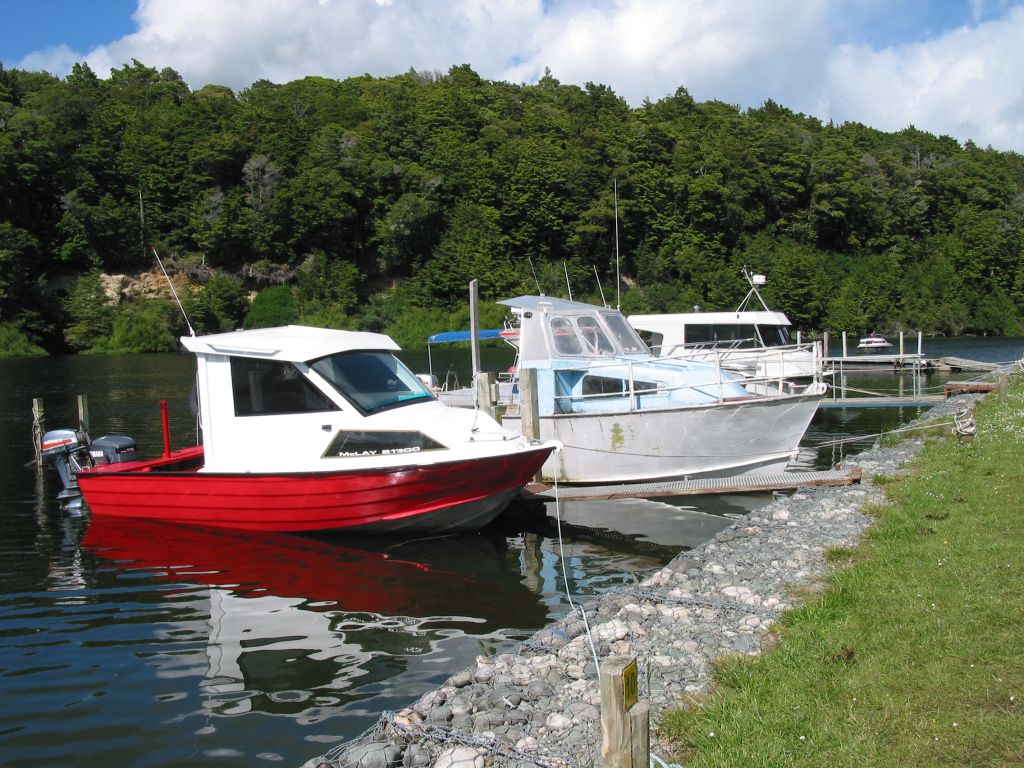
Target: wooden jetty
{"x":962,"y":364}
{"x":781,"y":481}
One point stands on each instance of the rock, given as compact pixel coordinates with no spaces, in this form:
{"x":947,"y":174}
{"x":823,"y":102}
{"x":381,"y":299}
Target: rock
{"x":372,"y":755}
{"x":461,"y":679}
{"x":460,"y":757}
{"x":558,"y":721}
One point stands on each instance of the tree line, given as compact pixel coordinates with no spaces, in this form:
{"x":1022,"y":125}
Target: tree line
{"x":370,"y":202}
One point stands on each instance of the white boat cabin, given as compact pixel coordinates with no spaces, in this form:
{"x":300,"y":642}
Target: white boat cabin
{"x":590,"y":360}
{"x":301,"y":399}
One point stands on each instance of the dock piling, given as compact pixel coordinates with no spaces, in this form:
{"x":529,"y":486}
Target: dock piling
{"x":38,"y":429}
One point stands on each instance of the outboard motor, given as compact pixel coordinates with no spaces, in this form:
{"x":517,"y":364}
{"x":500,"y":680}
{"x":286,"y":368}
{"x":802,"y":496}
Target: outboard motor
{"x":72,"y":450}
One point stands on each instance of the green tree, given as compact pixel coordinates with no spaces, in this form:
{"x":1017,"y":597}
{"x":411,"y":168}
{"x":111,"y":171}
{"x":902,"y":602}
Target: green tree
{"x":272,"y":307}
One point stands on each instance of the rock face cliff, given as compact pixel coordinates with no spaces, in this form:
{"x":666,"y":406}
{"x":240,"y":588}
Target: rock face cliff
{"x":147,"y":285}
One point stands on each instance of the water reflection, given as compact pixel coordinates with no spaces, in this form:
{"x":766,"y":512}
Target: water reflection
{"x":291,"y":615}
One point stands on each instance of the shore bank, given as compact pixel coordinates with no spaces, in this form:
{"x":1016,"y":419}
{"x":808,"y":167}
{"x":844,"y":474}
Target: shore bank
{"x":539,"y":705}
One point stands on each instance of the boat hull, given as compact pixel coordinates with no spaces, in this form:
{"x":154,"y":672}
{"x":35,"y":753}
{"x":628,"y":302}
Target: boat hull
{"x":442,"y":497}
{"x":759,"y":435}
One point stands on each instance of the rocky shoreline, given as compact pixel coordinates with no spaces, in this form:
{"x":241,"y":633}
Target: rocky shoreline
{"x":539,"y":706}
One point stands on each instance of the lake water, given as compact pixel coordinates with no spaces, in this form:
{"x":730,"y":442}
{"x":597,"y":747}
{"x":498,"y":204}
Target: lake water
{"x":149,"y":645}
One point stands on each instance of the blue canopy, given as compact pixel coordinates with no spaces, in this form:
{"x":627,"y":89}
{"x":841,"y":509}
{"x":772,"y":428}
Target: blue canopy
{"x":450,"y":337}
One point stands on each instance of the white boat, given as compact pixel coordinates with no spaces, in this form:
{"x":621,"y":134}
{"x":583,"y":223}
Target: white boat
{"x":754,"y":342}
{"x":624,"y":415}
{"x":873,"y":341}
{"x":308,"y":429}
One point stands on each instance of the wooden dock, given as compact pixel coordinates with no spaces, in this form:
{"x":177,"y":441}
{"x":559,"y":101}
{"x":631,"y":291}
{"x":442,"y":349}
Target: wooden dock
{"x":883,"y":401}
{"x":782,"y":481}
{"x":962,"y":364}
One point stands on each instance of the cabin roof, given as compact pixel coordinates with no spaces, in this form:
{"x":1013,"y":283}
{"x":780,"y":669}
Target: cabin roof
{"x":655,"y":322}
{"x":533,"y":303}
{"x":294,"y":343}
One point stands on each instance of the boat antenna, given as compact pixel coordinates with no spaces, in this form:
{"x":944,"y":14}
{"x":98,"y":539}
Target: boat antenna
{"x":191,"y":332}
{"x":565,"y":268}
{"x":530,"y":262}
{"x":598,"y":279}
{"x":754,"y":281}
{"x":615,"y":188}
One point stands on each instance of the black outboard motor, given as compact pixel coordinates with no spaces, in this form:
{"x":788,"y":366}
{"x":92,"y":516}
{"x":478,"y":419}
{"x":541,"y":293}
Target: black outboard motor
{"x":72,"y":450}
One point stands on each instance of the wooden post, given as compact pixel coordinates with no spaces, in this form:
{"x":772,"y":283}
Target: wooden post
{"x":528,"y":410}
{"x":824,"y":344}
{"x":625,"y":721}
{"x":38,"y":430}
{"x":83,"y":412}
{"x":529,"y":413}
{"x":483,"y":384}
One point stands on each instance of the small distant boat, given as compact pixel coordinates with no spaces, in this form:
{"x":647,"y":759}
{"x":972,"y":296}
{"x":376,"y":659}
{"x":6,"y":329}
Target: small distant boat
{"x":873,"y":341}
{"x":308,"y":429}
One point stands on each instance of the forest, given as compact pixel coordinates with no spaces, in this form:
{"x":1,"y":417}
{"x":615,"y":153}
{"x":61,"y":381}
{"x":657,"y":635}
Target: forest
{"x":370,"y":202}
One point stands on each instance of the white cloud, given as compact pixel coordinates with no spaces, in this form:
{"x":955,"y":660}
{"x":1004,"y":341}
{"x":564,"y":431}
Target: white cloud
{"x":967,"y":83}
{"x":807,"y":55}
{"x":57,"y":60}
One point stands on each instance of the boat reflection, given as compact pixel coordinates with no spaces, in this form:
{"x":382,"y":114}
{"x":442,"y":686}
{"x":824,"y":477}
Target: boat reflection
{"x":656,"y":527}
{"x":297,"y":624}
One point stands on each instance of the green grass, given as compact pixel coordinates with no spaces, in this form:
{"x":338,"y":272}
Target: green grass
{"x":914,"y":655}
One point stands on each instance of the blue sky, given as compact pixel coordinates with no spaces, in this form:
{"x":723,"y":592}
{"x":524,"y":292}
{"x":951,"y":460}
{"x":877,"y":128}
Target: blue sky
{"x":949,"y":67}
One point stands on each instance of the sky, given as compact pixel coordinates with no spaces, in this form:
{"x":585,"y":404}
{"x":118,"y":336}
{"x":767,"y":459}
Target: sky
{"x":949,"y":67}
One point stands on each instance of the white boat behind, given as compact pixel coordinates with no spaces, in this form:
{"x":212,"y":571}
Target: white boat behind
{"x":623,"y":414}
{"x":753,"y":342}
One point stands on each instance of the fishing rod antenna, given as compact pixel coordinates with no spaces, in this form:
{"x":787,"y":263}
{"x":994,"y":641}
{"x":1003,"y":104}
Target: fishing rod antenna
{"x":184,"y":314}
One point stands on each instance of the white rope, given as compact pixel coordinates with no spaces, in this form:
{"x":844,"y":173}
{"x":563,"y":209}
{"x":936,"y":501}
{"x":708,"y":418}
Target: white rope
{"x":858,"y":438}
{"x":965,"y":426}
{"x":565,"y":577}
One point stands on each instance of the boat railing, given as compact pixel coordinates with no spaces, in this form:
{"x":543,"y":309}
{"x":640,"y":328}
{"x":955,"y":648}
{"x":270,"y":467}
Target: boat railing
{"x":636,"y":385}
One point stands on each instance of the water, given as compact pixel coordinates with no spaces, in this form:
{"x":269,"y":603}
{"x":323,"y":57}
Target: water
{"x":148,"y":645}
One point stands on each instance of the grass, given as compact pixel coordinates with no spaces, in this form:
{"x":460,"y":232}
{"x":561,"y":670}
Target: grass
{"x":914,"y":655}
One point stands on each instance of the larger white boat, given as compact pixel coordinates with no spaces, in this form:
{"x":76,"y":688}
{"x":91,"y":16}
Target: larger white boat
{"x":754,"y":342}
{"x":623,"y":415}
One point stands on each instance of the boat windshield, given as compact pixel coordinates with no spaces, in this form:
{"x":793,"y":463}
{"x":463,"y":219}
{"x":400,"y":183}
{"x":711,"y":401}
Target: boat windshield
{"x":626,"y":335}
{"x":775,"y":335}
{"x":374,"y":381}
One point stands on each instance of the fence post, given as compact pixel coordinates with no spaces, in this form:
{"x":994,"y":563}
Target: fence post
{"x":625,"y":721}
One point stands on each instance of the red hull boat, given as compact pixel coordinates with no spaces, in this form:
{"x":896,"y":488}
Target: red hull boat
{"x":307,"y":429}
{"x":444,"y":497}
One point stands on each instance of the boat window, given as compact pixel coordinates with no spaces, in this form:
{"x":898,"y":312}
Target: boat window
{"x":268,"y":387}
{"x":625,"y":334}
{"x":374,"y":381}
{"x":653,"y":340}
{"x":775,"y":335}
{"x":564,"y":335}
{"x":593,"y":335}
{"x":594,"y":386}
{"x":722,"y":335}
